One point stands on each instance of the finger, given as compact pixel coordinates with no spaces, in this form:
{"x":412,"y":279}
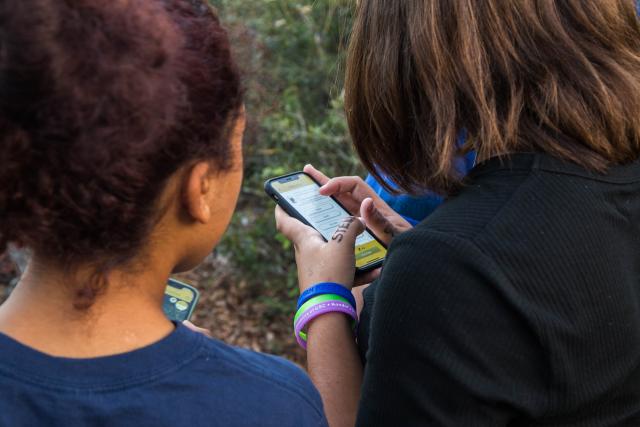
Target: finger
{"x":195,"y":328}
{"x":334,"y":187}
{"x":316,"y":174}
{"x":377,"y":222}
{"x":366,"y":278}
{"x":348,"y":201}
{"x":344,"y":238}
{"x":351,"y":185}
{"x":341,"y":184}
{"x":293,"y":229}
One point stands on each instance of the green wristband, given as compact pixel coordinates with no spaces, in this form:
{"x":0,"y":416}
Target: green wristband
{"x":316,"y":300}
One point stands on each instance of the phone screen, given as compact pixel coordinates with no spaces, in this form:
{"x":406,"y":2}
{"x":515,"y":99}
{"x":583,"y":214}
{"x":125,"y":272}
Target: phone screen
{"x":180,"y":300}
{"x":324,"y":214}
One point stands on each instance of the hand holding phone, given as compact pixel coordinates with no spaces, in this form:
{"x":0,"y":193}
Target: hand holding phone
{"x":298,"y":195}
{"x":360,"y":199}
{"x":317,"y":260}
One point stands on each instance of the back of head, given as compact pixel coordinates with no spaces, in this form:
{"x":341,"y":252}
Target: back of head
{"x":100,"y":102}
{"x":561,"y":77}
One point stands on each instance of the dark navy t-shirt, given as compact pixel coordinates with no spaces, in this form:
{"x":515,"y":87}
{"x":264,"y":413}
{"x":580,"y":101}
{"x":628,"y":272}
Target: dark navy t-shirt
{"x":186,"y":379}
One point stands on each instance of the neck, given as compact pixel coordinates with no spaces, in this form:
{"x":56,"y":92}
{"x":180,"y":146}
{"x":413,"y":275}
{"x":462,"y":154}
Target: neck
{"x":125,"y":316}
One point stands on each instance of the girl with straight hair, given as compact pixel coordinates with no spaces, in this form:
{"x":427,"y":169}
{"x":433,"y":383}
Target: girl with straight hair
{"x":518,"y":301}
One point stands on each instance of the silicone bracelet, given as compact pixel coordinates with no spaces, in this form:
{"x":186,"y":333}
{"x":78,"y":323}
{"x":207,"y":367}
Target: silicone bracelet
{"x":326,"y":288}
{"x":315,"y":300}
{"x":318,"y":310}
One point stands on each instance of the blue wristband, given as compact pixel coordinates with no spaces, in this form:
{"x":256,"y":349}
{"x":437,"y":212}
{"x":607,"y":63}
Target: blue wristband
{"x":326,"y":288}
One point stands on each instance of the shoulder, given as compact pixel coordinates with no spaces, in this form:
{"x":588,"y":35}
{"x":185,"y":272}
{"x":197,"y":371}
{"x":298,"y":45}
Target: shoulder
{"x":445,"y":281}
{"x":452,"y":312}
{"x":433,"y":244}
{"x":262,"y":367}
{"x":278,"y":382}
{"x":482,"y":201}
{"x":520,"y":195}
{"x":429,"y":262}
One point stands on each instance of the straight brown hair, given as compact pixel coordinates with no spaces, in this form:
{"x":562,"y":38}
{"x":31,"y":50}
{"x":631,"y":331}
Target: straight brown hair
{"x":560,"y":77}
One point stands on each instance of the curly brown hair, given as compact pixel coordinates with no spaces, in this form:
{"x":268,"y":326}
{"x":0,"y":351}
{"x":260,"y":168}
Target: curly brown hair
{"x":101,"y":101}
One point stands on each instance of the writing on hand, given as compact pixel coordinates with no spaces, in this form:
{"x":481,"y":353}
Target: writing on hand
{"x":338,"y":235}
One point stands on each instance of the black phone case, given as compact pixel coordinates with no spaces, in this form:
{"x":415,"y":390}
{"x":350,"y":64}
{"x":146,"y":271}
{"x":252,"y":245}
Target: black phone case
{"x":271,"y":192}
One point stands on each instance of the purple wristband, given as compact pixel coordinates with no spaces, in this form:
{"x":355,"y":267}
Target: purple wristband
{"x":318,"y":310}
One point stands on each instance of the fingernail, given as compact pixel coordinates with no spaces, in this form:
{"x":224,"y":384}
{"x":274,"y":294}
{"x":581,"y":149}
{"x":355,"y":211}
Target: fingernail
{"x":371,"y":207}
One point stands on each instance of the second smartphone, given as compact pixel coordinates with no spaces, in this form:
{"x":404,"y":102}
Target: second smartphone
{"x":297,"y":193}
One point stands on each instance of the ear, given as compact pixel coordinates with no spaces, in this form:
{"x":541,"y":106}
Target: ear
{"x":197,"y":192}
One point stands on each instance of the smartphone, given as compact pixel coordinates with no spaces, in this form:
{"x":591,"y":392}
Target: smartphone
{"x":297,"y":193}
{"x":180,"y":300}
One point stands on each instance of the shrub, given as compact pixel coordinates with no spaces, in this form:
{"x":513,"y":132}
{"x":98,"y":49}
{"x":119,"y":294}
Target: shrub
{"x":293,"y":55}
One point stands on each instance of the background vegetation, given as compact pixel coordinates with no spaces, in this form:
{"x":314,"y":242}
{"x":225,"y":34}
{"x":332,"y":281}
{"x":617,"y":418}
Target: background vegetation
{"x":292,"y":53}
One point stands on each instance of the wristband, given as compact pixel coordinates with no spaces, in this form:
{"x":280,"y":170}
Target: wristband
{"x":318,"y":310}
{"x":326,"y":288}
{"x":312,"y":302}
{"x":316,"y":300}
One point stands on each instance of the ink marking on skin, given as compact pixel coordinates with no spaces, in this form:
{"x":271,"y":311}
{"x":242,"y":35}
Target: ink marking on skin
{"x":390,"y":230}
{"x":338,"y":235}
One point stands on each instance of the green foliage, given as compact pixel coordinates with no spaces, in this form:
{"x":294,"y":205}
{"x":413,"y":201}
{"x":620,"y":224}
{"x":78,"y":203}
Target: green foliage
{"x":292,"y":53}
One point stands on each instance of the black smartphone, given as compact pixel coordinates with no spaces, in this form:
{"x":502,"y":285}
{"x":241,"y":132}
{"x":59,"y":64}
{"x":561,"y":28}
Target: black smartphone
{"x":180,"y":300}
{"x":297,"y":193}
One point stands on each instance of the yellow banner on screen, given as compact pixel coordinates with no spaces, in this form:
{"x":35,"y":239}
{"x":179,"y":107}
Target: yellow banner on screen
{"x":369,"y":252}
